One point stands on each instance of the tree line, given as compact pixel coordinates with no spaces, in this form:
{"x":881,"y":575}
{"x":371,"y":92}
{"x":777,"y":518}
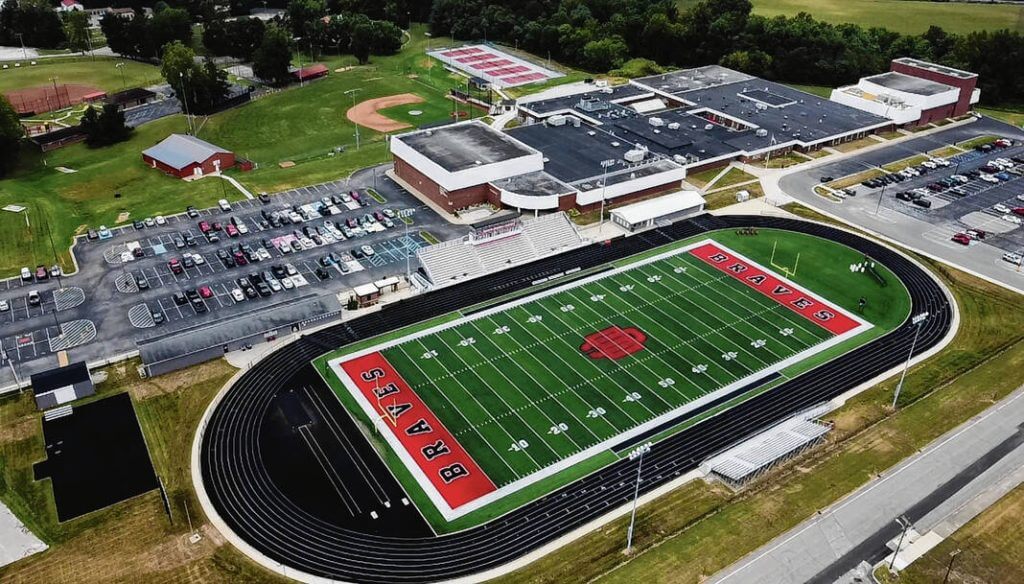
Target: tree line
{"x":600,"y":35}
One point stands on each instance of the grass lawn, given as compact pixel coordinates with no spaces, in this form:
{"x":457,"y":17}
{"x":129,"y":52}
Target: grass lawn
{"x":99,"y":72}
{"x":733,"y":177}
{"x":905,"y":162}
{"x":856,"y":144}
{"x":691,"y":533}
{"x":699,"y":179}
{"x":969,"y":144}
{"x":139,"y":542}
{"x":1010,"y":116}
{"x":727,"y":197}
{"x":431,"y":112}
{"x":914,"y":16}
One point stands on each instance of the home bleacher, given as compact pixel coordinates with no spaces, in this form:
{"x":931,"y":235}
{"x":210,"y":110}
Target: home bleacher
{"x":497,"y":245}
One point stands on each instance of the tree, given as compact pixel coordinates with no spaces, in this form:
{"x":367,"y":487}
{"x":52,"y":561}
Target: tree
{"x":605,"y":54}
{"x":236,"y":38}
{"x":167,"y":26}
{"x":201,"y":88}
{"x":178,"y":66}
{"x":757,"y":63}
{"x":362,"y":41}
{"x":271,"y":60}
{"x":76,"y":29}
{"x":302,"y":12}
{"x":106,"y":127}
{"x":10,"y":136}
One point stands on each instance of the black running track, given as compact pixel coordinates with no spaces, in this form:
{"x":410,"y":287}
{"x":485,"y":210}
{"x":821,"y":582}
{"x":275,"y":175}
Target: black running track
{"x":259,"y":478}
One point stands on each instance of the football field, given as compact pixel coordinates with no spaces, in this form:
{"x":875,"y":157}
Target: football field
{"x":509,"y":395}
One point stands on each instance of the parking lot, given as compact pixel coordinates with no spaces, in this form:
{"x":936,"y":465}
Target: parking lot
{"x":322,"y":259}
{"x":971,"y":206}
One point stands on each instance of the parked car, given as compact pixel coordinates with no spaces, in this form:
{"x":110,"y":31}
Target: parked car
{"x":1001,"y":208}
{"x":961,"y":238}
{"x":175,"y":265}
{"x":160,"y":220}
{"x":237,"y":295}
{"x":4,"y":306}
{"x":224,"y":205}
{"x":42,"y":273}
{"x":33,"y":298}
{"x":1013,"y":258}
{"x":205,"y":292}
{"x":180,"y":299}
{"x":92,"y":235}
{"x":158,"y":317}
{"x":264,"y":198}
{"x":192,"y":212}
{"x":26,"y":275}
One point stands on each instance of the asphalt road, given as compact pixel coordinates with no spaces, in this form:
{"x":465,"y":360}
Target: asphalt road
{"x":927,"y":489}
{"x":27,"y":332}
{"x":334,"y":523}
{"x":929,"y":230}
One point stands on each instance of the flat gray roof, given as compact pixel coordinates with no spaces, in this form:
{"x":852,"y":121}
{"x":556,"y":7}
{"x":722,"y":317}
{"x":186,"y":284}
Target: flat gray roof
{"x":535,"y":184}
{"x":908,"y":84}
{"x":460,"y":146}
{"x":936,"y":67}
{"x":685,"y":80}
{"x":181,"y":150}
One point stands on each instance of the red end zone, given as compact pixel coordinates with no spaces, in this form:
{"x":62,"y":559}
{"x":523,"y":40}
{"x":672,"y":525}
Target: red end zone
{"x":785,"y":294}
{"x":436,"y":452}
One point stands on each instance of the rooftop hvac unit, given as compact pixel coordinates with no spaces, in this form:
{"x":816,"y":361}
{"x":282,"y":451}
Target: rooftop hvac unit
{"x":602,"y":83}
{"x":760,"y":106}
{"x":673,"y":126}
{"x":656,"y":122}
{"x":634,"y":155}
{"x":591,"y":133}
{"x":575,"y":122}
{"x":607,"y":90}
{"x":709,"y":127}
{"x":761,"y":133}
{"x":679,"y":158}
{"x":615,"y":144}
{"x":556,"y":120}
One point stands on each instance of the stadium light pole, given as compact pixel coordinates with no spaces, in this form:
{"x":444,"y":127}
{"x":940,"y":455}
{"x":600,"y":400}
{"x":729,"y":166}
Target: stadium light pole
{"x":605,"y":164}
{"x":917,"y":320}
{"x":949,"y":567}
{"x":184,"y":100}
{"x":637,"y":453}
{"x":352,"y":93}
{"x":404,"y":215}
{"x":24,"y":52}
{"x":905,"y":524}
{"x":124,"y":81}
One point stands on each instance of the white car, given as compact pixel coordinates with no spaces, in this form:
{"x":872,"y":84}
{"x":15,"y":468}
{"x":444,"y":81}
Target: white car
{"x":238,"y":295}
{"x":940,"y":162}
{"x":198,"y":259}
{"x":295,"y":217}
{"x":989,"y":178}
{"x":367,"y":250}
{"x":960,"y":178}
{"x":149,"y":222}
{"x":4,"y":306}
{"x":26,"y":275}
{"x":160,"y":220}
{"x":104,"y":233}
{"x":287,"y":283}
{"x":1020,"y":197}
{"x":242,"y":228}
{"x":1012,"y":219}
{"x":290,"y":268}
{"x":345,"y":198}
{"x":284,"y":248}
{"x":263,"y":254}
{"x":1000,"y":208}
{"x":224,"y":205}
{"x":275,"y":285}
{"x":929,"y":164}
{"x":1013,"y":258}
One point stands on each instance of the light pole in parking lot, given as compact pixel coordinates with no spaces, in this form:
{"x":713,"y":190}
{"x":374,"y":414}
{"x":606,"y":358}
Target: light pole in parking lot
{"x":404,"y":215}
{"x":352,"y":93}
{"x":10,"y":362}
{"x":905,"y":524}
{"x":917,"y":321}
{"x":637,"y":453}
{"x":605,"y":164}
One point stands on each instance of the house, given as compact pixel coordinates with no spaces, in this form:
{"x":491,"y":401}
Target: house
{"x":61,"y":385}
{"x":70,"y":6}
{"x":186,"y":156}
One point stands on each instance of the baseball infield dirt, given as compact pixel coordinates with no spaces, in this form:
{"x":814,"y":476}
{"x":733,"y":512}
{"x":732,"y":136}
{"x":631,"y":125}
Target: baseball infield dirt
{"x":365,"y":113}
{"x":45,"y":98}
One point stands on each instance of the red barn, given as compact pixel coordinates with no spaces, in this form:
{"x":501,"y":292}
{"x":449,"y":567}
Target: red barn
{"x":311,"y":72}
{"x":186,"y":156}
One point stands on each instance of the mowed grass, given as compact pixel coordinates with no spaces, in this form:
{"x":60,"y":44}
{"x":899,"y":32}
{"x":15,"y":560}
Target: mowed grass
{"x":430,"y":112}
{"x":905,"y":16}
{"x":99,"y":72}
{"x":519,"y":394}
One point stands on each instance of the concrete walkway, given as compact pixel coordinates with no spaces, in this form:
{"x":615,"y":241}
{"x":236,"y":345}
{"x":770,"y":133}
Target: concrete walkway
{"x":949,"y":482}
{"x":16,"y":541}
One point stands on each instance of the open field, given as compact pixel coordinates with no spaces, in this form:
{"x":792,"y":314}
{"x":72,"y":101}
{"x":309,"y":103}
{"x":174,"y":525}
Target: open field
{"x":299,"y":124}
{"x":136,"y":539}
{"x":914,"y":17}
{"x":694,"y":331}
{"x":99,"y":72}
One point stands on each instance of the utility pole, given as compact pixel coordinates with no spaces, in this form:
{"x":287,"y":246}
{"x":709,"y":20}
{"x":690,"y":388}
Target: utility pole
{"x":917,"y":320}
{"x":184,"y":101}
{"x":405,"y":215}
{"x":352,"y":93}
{"x":605,"y":164}
{"x":905,"y":524}
{"x":24,"y":52}
{"x":949,"y":567}
{"x":124,"y":82}
{"x":637,"y":453}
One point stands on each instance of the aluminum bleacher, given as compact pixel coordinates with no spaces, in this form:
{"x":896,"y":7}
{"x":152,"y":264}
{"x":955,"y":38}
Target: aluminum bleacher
{"x":746,"y":461}
{"x":454,"y":261}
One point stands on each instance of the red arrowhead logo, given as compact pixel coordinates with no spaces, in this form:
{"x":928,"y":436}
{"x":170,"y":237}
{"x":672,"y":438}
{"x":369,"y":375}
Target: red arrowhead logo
{"x":613,"y":343}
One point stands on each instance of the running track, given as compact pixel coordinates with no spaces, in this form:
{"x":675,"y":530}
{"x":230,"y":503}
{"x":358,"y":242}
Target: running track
{"x":272,"y":514}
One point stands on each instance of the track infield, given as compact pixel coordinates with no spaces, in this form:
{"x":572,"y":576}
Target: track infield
{"x":482,"y":406}
{"x":365,"y":113}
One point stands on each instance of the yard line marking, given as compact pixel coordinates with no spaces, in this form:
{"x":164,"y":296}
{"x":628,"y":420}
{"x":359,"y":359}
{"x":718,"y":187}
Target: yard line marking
{"x":568,"y":387}
{"x":456,"y":409}
{"x":502,"y":399}
{"x":540,"y":385}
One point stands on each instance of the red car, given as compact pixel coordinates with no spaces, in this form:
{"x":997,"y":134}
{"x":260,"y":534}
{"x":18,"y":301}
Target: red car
{"x":962,"y":238}
{"x":205,"y":292}
{"x":204,"y":226}
{"x":175,"y":266}
{"x":231,"y":230}
{"x":1018,"y":211}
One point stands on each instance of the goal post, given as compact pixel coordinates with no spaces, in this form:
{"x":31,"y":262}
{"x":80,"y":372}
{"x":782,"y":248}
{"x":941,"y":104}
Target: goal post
{"x":787,"y":270}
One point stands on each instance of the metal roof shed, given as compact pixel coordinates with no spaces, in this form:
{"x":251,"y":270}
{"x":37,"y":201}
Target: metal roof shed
{"x":645,"y":213}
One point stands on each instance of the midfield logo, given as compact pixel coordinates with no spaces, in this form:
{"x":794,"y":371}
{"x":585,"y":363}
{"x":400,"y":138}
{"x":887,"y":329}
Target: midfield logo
{"x":613,"y":343}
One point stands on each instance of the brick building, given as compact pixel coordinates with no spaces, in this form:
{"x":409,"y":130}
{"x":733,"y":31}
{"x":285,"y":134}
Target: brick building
{"x":186,"y":156}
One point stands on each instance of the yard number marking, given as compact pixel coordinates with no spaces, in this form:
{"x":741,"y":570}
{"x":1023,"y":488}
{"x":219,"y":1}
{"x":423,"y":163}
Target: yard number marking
{"x":467,"y":342}
{"x":632,"y":397}
{"x":626,"y":288}
{"x":429,"y":354}
{"x":519,"y":445}
{"x":699,"y":368}
{"x":667,"y":382}
{"x":680,"y":270}
{"x":597,"y":297}
{"x":759,"y":343}
{"x":653,"y":279}
{"x":559,"y":428}
{"x":786,"y":332}
{"x":534,"y":318}
{"x":501,"y":330}
{"x":730,"y":355}
{"x":568,"y":308}
{"x":596,"y":412}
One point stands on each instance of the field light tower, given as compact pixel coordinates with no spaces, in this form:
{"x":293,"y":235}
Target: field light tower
{"x":917,"y":321}
{"x":636,"y":453}
{"x":605,"y":164}
{"x":404,"y":215}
